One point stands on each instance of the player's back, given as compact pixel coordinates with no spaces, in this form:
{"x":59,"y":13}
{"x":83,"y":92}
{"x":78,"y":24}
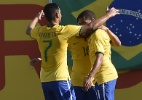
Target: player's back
{"x":52,"y":42}
{"x":53,"y":46}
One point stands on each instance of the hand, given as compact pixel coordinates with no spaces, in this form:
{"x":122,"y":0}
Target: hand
{"x":40,"y":15}
{"x":34,"y":61}
{"x":104,"y":28}
{"x":87,"y":83}
{"x":112,"y":12}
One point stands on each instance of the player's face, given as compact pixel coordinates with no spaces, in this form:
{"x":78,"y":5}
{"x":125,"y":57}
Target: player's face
{"x":83,"y":21}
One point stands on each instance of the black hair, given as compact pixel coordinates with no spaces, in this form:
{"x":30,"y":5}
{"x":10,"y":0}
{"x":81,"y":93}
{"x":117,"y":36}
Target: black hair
{"x":50,"y":11}
{"x":87,"y":14}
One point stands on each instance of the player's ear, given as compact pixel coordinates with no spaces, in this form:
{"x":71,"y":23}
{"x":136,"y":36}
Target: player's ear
{"x":92,"y":18}
{"x":57,"y":15}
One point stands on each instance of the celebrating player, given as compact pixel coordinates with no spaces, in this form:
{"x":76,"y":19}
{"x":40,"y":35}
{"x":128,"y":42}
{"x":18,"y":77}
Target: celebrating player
{"x":52,"y":41}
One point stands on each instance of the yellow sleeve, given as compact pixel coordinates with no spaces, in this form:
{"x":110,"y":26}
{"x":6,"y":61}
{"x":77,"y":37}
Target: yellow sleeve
{"x":71,"y":30}
{"x":34,"y":32}
{"x":99,"y":41}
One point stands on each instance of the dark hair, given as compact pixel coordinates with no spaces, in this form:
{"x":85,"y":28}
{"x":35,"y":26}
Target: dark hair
{"x":87,"y":14}
{"x":50,"y":11}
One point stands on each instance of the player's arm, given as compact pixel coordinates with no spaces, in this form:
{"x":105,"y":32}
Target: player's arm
{"x":114,"y":39}
{"x":91,"y":27}
{"x":95,"y":69}
{"x":34,"y":22}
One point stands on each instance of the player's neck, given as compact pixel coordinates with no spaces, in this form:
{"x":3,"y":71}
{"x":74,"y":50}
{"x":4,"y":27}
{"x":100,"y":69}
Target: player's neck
{"x":52,"y":23}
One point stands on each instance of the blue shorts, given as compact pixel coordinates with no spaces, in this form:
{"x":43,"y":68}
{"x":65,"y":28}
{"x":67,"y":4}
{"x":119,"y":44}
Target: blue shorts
{"x":85,"y":95}
{"x":58,"y":90}
{"x":106,"y":90}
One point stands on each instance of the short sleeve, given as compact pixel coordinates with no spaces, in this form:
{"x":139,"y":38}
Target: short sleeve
{"x":71,"y":30}
{"x":98,"y":42}
{"x":34,"y":32}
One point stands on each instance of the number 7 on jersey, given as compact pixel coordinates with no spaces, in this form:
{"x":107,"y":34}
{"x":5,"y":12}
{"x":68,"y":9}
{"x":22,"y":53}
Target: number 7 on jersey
{"x":49,"y":42}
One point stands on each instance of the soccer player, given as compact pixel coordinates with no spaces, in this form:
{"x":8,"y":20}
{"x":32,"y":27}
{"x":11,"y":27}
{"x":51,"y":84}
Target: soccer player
{"x":81,"y":67}
{"x":103,"y":71}
{"x":52,"y":41}
{"x":81,"y":62}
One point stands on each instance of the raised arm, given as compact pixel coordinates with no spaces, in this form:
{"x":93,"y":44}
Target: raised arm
{"x":34,"y":61}
{"x":91,"y":27}
{"x":34,"y":22}
{"x":114,"y":39}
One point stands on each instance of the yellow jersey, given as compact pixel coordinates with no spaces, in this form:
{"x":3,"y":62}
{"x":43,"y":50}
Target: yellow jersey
{"x":100,"y":42}
{"x":81,"y":62}
{"x":52,"y":42}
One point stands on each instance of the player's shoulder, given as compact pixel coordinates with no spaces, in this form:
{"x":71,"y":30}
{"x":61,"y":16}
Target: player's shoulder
{"x":37,"y":27}
{"x":71,"y":29}
{"x":66,"y":26}
{"x":72,"y":26}
{"x":100,"y":33}
{"x":57,"y":28}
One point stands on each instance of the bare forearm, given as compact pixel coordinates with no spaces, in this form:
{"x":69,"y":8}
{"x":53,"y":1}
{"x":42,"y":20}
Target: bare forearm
{"x":100,"y":21}
{"x":114,"y":39}
{"x":34,"y":22}
{"x":32,"y":25}
{"x":96,"y":67}
{"x":95,"y":24}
